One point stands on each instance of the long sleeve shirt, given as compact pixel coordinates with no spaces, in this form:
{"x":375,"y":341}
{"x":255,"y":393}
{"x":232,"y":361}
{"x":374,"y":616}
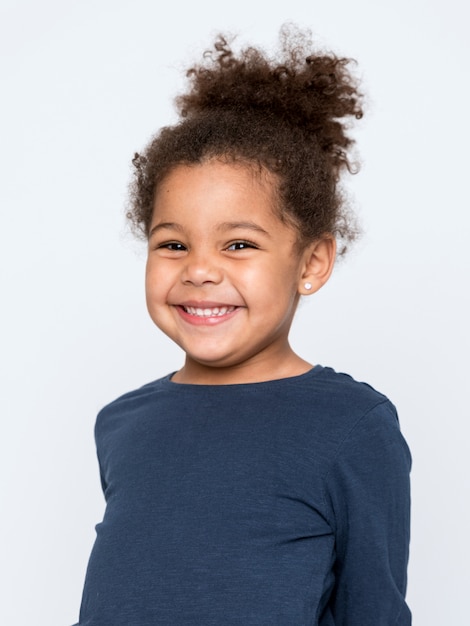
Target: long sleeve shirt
{"x":276,"y":503}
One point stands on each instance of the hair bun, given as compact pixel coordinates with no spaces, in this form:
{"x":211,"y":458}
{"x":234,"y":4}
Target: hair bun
{"x":312,"y":91}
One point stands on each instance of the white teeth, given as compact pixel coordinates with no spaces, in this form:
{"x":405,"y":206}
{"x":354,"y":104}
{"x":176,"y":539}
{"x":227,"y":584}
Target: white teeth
{"x":215,"y":312}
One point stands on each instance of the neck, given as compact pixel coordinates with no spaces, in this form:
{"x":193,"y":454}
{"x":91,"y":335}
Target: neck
{"x":255,"y":371}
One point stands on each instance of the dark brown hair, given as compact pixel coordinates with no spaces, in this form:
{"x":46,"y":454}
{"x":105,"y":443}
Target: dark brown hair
{"x":289,"y":115}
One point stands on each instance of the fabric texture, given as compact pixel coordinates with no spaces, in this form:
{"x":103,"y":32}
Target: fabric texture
{"x":276,"y":503}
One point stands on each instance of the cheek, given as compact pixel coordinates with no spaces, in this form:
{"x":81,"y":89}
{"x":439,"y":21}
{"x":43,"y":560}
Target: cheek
{"x":281,"y":277}
{"x":154,"y":281}
{"x":149,"y":280}
{"x":273,"y":285}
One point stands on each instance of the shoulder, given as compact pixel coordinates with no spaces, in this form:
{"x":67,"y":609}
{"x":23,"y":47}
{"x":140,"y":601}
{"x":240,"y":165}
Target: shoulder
{"x":344,"y":390}
{"x":359,"y":426}
{"x":340,"y":401}
{"x":131,"y":402}
{"x":365,"y":414}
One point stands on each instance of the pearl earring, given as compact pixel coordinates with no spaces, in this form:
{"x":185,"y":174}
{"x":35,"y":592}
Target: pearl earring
{"x":308,"y":285}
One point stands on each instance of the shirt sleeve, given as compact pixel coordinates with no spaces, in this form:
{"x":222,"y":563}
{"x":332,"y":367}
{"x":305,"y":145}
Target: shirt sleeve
{"x":368,"y":490}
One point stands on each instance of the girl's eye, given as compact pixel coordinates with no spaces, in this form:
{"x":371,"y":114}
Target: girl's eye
{"x":174,"y":246}
{"x":241,"y":245}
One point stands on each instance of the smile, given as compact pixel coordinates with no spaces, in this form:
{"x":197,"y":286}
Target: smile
{"x":208,"y":312}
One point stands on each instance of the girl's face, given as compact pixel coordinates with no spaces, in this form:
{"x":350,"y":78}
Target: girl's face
{"x":223,"y":274}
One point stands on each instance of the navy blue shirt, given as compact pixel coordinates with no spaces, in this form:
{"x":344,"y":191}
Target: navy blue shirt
{"x":276,"y":503}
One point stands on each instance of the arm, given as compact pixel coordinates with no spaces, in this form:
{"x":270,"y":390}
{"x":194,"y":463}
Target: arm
{"x":369,"y":492}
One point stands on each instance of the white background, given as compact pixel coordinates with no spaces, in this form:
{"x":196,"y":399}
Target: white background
{"x":84,"y":84}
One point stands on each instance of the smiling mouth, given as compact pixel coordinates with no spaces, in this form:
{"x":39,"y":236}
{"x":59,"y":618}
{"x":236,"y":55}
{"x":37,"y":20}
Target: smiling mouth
{"x":216,"y":311}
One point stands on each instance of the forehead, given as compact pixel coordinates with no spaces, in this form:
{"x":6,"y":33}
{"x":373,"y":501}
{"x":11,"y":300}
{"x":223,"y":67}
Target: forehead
{"x":221,"y":186}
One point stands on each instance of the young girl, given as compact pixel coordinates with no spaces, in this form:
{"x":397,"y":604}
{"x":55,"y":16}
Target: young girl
{"x":250,"y":487}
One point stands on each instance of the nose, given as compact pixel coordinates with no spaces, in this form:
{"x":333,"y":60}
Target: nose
{"x":201,"y":268}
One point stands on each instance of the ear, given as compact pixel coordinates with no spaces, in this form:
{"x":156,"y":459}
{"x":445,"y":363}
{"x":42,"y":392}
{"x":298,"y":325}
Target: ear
{"x":318,"y":261}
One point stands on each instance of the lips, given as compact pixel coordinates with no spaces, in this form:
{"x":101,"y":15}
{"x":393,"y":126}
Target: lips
{"x":206,"y":313}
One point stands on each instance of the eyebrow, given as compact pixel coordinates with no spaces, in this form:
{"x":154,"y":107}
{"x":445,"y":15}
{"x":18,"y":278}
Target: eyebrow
{"x":167,"y":225}
{"x":242,"y":226}
{"x":225,"y":226}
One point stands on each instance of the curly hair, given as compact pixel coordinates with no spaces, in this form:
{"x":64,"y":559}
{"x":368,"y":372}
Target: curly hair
{"x":289,"y":115}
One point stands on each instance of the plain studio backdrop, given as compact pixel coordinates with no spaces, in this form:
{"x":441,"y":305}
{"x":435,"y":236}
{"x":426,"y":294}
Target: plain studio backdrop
{"x":84,"y":85}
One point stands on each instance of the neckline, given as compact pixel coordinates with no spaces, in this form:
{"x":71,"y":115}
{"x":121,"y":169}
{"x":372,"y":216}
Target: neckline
{"x":313,"y":371}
